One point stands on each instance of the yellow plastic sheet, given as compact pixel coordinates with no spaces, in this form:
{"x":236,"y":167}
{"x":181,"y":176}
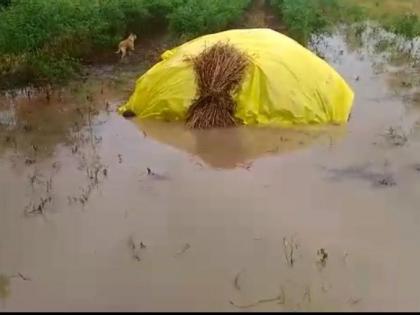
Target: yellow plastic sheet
{"x":285,"y":83}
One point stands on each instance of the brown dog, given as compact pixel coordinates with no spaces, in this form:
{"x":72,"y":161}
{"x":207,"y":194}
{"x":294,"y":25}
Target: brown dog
{"x":126,"y":45}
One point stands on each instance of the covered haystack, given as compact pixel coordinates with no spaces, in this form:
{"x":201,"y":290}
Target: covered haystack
{"x":251,"y":76}
{"x":219,"y":71}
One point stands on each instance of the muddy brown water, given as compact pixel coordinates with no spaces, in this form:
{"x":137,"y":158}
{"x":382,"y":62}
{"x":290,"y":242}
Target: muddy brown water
{"x":225,"y":220}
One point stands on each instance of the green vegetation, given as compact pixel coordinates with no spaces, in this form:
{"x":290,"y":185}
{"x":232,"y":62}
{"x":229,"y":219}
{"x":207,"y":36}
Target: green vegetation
{"x":401,"y":17}
{"x":407,"y":25}
{"x":306,"y":17}
{"x":45,"y":42}
{"x":378,"y":8}
{"x":200,"y":16}
{"x":5,"y":3}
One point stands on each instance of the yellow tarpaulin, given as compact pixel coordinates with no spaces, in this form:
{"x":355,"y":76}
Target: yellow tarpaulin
{"x":285,"y":83}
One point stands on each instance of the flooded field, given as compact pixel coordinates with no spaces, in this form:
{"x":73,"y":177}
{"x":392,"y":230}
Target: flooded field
{"x":100,"y":213}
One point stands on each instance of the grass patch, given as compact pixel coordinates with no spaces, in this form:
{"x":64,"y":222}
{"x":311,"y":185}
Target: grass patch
{"x":401,"y":17}
{"x":197,"y":17}
{"x":378,"y":8}
{"x":44,"y":42}
{"x":306,"y":17}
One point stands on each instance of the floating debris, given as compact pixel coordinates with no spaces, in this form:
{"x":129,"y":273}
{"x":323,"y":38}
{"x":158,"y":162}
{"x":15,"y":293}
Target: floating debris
{"x":361,"y":172}
{"x":395,"y":137}
{"x":186,"y":247}
{"x":30,"y":161}
{"x":386,"y":180}
{"x":21,"y":276}
{"x":354,"y":301}
{"x":150,"y":172}
{"x":155,"y":175}
{"x":281,"y":299}
{"x":307,"y":295}
{"x":289,"y":247}
{"x":27,"y":128}
{"x":236,"y":281}
{"x":36,"y":209}
{"x":135,"y":248}
{"x":322,"y":257}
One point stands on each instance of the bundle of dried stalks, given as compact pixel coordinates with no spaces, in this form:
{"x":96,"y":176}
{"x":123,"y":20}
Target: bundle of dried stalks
{"x":219,"y":71}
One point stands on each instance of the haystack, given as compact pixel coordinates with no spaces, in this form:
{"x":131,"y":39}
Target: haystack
{"x":219,"y":71}
{"x":252,"y":76}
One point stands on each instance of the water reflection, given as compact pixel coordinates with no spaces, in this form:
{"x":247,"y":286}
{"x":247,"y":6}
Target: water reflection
{"x":231,"y":148}
{"x":33,"y":126}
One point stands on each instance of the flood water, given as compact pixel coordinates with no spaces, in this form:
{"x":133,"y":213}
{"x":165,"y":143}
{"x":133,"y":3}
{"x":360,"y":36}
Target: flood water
{"x":257,"y":219}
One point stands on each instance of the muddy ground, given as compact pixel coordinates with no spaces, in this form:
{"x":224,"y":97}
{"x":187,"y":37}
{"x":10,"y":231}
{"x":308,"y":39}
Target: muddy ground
{"x":100,"y":213}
